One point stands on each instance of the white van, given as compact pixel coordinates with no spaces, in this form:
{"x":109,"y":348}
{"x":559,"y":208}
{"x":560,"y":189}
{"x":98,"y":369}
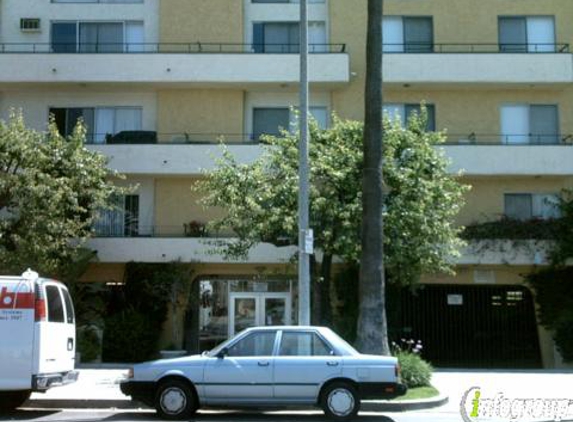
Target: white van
{"x":37,"y":337}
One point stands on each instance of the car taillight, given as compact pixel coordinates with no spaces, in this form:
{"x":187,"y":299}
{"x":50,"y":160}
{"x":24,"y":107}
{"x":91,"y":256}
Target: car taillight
{"x":39,"y":305}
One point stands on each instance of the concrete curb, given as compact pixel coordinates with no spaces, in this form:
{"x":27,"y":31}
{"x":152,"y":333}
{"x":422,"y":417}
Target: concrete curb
{"x":404,"y":405}
{"x":367,"y":405}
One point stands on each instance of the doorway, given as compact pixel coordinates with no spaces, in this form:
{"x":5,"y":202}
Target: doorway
{"x":258,"y":309}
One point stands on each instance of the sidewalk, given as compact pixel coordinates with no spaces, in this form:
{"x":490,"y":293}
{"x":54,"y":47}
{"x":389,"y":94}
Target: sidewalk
{"x":95,"y":388}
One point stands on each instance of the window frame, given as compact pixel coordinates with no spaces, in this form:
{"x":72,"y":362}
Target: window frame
{"x":325,"y":342}
{"x":430,"y":124}
{"x":404,"y":45}
{"x":77,"y":50}
{"x":527,"y":40}
{"x":531,"y":211}
{"x":49,"y":288}
{"x":93,"y":132}
{"x":504,"y":137}
{"x":250,"y":334}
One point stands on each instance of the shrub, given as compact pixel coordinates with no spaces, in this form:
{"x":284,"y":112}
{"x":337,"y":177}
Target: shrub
{"x":88,"y":343}
{"x":563,"y":335}
{"x":131,"y":337}
{"x":415,"y":371}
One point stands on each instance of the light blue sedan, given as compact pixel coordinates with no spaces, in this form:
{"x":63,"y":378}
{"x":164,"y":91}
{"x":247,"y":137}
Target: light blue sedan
{"x":268,"y":366}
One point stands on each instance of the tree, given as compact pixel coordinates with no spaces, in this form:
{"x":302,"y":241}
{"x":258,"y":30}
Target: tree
{"x":51,"y":189}
{"x":260,"y":200}
{"x":372,"y":327}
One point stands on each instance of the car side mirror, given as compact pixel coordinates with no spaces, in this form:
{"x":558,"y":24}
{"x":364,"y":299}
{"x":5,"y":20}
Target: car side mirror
{"x":222,"y":353}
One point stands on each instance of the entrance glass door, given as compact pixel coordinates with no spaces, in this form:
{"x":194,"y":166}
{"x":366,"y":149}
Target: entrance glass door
{"x":258,"y":309}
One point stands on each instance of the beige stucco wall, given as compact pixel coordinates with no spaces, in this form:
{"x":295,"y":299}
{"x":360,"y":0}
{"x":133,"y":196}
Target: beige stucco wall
{"x":202,"y":113}
{"x":459,"y":21}
{"x":485,"y":201}
{"x":209,"y":21}
{"x":176,"y":204}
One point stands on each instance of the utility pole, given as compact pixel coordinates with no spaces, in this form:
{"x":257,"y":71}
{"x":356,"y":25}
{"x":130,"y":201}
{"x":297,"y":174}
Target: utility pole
{"x":305,"y":235}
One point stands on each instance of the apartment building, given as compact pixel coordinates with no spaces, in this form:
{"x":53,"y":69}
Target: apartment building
{"x":158,"y":82}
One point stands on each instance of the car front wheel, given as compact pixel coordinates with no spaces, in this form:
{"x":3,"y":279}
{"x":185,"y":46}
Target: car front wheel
{"x":340,"y":401}
{"x":175,"y":399}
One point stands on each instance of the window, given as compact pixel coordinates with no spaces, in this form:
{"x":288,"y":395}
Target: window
{"x":527,"y":34}
{"x":403,"y":111}
{"x":256,"y":344}
{"x":283,"y":37}
{"x":303,"y":344}
{"x":97,"y":37}
{"x":405,"y":34}
{"x":527,"y":206}
{"x":100,"y":121}
{"x":55,"y":305}
{"x":70,"y":316}
{"x":120,"y":221}
{"x":529,"y":124}
{"x":269,"y":120}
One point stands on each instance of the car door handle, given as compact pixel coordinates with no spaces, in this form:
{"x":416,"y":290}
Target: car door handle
{"x":332,"y":363}
{"x":264,"y":363}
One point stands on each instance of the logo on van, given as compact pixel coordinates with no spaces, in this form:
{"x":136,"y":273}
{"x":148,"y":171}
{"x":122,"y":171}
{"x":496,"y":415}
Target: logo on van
{"x":8,"y":300}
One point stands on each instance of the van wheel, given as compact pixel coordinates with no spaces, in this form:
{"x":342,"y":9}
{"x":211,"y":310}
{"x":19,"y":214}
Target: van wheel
{"x":175,"y":399}
{"x":10,"y":400}
{"x":340,"y":401}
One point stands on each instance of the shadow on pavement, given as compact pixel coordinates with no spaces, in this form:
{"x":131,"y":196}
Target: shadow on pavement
{"x":237,"y":416}
{"x":26,"y":415}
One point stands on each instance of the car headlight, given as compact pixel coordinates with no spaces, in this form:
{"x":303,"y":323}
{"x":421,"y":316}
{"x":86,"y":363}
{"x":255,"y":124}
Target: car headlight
{"x":130,"y":373}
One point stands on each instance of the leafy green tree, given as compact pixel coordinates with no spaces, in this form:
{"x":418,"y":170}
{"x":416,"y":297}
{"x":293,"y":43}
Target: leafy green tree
{"x":421,"y":200}
{"x":51,"y":188}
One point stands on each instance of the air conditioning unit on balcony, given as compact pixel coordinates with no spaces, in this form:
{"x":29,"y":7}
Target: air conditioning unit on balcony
{"x":30,"y":25}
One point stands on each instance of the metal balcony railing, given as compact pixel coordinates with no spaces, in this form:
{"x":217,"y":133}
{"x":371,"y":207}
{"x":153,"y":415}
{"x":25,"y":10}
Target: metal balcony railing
{"x":136,"y":230}
{"x":166,"y":48}
{"x":475,"y":48}
{"x":214,"y":138}
{"x":171,"y":138}
{"x":508,"y":139}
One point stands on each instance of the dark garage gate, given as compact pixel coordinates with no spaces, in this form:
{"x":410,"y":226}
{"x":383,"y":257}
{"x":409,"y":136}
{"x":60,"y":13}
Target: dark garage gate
{"x":469,"y":326}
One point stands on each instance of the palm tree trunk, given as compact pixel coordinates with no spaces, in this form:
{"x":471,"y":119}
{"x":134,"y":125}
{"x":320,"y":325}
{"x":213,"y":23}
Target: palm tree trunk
{"x":372,"y":332}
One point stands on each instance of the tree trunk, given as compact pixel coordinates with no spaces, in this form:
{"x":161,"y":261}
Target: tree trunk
{"x":325,"y":287}
{"x":321,"y":309}
{"x":316,"y":293}
{"x":372,"y":333}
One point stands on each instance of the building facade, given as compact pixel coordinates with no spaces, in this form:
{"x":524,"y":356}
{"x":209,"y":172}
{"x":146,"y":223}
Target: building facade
{"x":158,"y":82}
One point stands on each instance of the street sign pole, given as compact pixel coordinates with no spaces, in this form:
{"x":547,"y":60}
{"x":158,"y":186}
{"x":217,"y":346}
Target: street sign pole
{"x":304,"y":250}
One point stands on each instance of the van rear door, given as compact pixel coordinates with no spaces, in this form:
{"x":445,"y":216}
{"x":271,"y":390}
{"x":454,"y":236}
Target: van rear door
{"x":56,"y":334}
{"x":16,"y":333}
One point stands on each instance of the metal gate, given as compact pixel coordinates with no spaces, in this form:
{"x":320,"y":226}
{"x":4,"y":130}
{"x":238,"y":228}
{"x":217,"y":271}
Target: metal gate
{"x":469,"y":326}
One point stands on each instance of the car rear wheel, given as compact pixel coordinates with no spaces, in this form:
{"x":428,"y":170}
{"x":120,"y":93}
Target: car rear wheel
{"x":340,"y":401}
{"x":10,"y":400}
{"x":175,"y":399}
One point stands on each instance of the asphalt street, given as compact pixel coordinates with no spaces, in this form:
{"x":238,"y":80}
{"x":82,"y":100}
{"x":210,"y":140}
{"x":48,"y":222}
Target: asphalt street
{"x":88,"y":415}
